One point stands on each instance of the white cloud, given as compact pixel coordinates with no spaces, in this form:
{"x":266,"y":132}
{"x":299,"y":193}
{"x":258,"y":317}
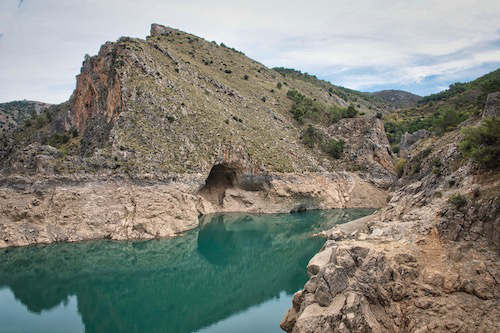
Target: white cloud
{"x":44,"y":41}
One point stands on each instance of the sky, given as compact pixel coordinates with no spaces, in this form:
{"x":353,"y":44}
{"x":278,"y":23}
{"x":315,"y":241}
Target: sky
{"x":420,"y":46}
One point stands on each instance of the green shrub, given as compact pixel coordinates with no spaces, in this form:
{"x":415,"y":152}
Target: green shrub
{"x":379,"y":115}
{"x":396,"y":129}
{"x":279,"y":85}
{"x":457,"y":200}
{"x":245,"y":77}
{"x":447,"y":119}
{"x":58,"y":139}
{"x":400,"y":167}
{"x":312,"y":136}
{"x":263,"y":99}
{"x":351,"y":112}
{"x":40,"y":121}
{"x":482,"y":143}
{"x":334,"y":147}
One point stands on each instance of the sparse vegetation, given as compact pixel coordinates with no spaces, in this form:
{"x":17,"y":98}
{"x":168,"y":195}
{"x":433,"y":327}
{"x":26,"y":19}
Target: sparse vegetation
{"x":482,"y":143}
{"x":307,"y":108}
{"x":400,"y":167}
{"x":334,"y":147}
{"x":457,"y":200}
{"x":447,"y":119}
{"x":58,"y":139}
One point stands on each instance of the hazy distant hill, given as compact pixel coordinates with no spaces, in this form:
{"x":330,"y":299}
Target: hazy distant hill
{"x":398,"y":98}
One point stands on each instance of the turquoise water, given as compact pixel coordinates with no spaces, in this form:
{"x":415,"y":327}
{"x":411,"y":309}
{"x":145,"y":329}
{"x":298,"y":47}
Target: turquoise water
{"x":236,"y":273}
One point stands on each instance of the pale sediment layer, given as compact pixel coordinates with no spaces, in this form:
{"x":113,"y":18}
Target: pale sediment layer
{"x":51,"y":209}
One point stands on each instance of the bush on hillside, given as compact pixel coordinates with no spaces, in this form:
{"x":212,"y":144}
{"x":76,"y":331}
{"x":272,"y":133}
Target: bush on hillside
{"x":482,"y":143}
{"x":400,"y":167}
{"x":312,"y":137}
{"x":351,"y":112}
{"x":334,"y":147}
{"x":457,"y":200}
{"x":307,"y":108}
{"x":447,"y":119}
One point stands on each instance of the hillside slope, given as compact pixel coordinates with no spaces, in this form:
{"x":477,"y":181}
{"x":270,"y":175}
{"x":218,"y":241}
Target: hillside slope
{"x":161,"y":130}
{"x":429,"y":260}
{"x":13,"y":114}
{"x":175,"y":103}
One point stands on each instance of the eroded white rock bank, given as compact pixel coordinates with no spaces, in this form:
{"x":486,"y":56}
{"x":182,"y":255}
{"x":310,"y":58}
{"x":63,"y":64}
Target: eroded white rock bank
{"x":51,"y":209}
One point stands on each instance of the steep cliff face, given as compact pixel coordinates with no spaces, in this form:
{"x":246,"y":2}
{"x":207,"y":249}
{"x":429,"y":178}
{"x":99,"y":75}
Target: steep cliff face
{"x":97,"y":100}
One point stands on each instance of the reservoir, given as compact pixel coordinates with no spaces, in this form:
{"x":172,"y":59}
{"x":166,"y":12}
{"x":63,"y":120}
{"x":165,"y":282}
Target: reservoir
{"x":235,"y":273}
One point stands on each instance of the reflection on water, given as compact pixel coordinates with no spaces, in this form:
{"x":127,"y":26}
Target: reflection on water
{"x":219,"y":278}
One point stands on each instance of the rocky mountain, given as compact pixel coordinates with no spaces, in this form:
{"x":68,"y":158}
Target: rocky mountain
{"x":428,"y":261}
{"x":397,"y":98}
{"x":13,"y":114}
{"x":189,"y":127}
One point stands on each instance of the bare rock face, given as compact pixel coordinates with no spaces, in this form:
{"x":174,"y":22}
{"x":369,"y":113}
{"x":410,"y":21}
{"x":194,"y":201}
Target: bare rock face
{"x":366,"y":286}
{"x":161,"y":30}
{"x":492,"y":106}
{"x":407,"y":140}
{"x":97,"y":100}
{"x":423,"y":263}
{"x":367,"y":148}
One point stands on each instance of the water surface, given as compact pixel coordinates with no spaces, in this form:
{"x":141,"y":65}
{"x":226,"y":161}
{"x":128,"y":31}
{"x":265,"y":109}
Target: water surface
{"x":236,"y":273}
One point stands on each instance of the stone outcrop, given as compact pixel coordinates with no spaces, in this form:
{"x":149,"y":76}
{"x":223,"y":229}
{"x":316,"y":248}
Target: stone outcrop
{"x":492,"y":106}
{"x":425,"y":263}
{"x":407,"y":140}
{"x":368,"y":150}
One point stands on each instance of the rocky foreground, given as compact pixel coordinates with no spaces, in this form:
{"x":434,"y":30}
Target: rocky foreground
{"x":427,"y":262}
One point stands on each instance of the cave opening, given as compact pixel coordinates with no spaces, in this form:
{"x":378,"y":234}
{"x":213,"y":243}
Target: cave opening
{"x":220,"y":178}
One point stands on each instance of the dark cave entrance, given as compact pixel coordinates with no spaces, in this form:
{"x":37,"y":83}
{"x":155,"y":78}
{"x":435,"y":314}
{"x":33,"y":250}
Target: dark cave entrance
{"x":220,"y":178}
